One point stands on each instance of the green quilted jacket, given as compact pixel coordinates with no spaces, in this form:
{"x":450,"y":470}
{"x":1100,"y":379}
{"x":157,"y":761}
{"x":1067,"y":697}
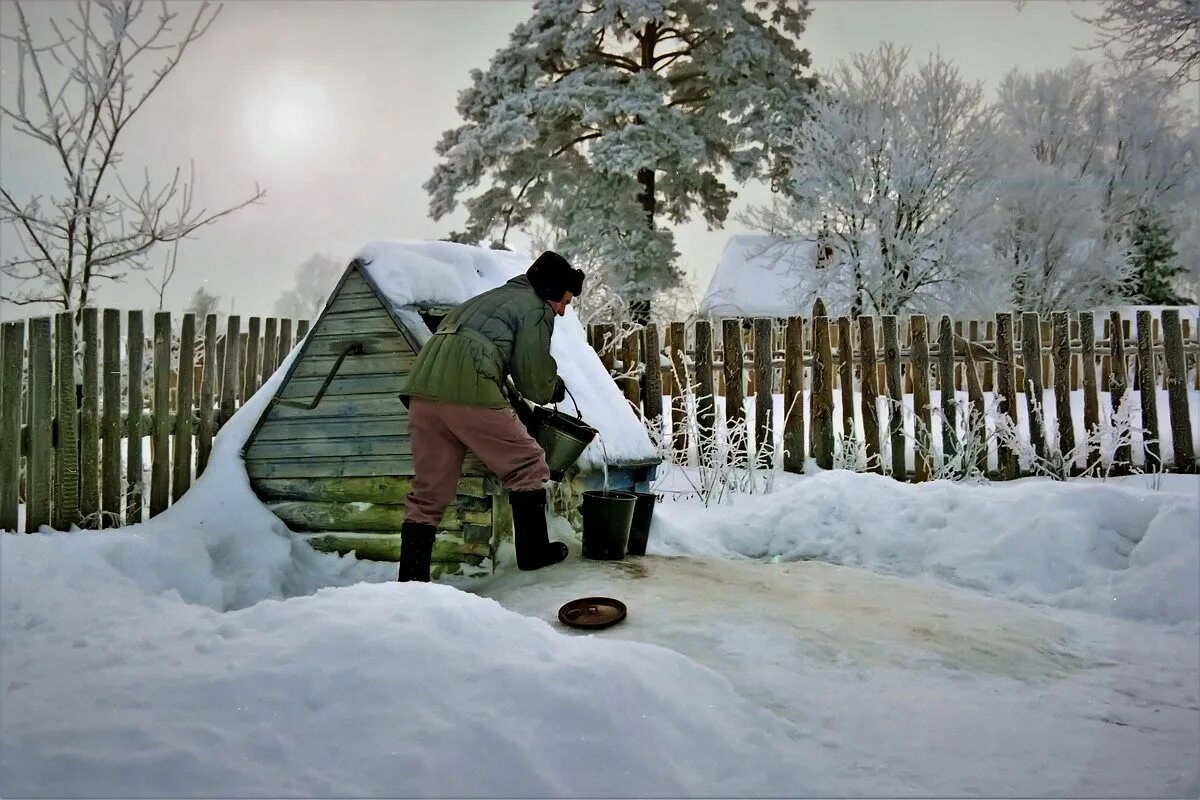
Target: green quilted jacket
{"x":504,"y":331}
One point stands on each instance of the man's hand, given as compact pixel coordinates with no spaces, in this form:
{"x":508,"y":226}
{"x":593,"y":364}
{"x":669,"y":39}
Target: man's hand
{"x":560,"y":391}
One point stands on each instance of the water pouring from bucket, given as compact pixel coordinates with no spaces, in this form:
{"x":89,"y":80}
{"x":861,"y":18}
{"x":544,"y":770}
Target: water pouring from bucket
{"x":614,"y":522}
{"x":564,"y":437}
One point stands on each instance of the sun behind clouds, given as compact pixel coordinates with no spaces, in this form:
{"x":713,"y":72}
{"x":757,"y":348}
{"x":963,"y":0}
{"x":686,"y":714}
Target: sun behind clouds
{"x":285,"y":113}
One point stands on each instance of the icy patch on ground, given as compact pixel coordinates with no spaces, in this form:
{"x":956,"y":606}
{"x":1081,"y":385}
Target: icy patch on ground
{"x":1122,"y":549}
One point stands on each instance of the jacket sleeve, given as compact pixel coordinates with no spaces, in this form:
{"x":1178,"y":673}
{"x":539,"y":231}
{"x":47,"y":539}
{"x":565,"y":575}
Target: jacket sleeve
{"x":534,"y":370}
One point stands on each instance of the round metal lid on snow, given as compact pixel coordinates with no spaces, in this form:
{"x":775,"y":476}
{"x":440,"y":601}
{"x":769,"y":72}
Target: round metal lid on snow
{"x":592,"y":612}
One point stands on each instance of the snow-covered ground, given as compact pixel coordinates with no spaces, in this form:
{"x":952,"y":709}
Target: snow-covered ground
{"x":844,"y":635}
{"x":123,"y":675}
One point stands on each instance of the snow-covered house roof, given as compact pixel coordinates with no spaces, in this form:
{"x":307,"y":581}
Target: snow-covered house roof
{"x":763,"y":276}
{"x":414,"y":275}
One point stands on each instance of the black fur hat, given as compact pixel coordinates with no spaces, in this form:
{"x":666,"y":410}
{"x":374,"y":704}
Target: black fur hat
{"x":551,"y":276}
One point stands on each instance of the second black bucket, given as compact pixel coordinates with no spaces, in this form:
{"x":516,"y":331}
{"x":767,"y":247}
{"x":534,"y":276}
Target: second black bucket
{"x":607,"y":517}
{"x":639,"y":530}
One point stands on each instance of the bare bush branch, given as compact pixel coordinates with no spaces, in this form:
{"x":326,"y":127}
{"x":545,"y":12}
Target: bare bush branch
{"x":76,"y":96}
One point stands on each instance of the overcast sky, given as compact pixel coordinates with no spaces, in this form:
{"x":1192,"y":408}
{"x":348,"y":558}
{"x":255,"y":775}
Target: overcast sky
{"x":334,"y":107}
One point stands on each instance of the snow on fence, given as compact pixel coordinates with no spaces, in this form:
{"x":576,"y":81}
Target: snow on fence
{"x":91,"y":468}
{"x":953,"y":379}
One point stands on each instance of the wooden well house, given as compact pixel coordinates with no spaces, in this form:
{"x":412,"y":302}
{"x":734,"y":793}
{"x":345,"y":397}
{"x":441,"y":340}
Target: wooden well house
{"x":330,"y":455}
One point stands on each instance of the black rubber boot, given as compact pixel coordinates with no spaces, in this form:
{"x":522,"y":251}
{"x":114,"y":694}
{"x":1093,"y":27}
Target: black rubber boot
{"x":416,"y":550}
{"x":531,"y":540}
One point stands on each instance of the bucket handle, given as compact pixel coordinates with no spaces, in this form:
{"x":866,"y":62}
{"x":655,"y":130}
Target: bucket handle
{"x":574,"y":402}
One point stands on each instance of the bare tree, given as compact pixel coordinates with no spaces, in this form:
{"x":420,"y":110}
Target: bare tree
{"x":76,"y":95}
{"x":315,"y":279}
{"x":892,"y":159}
{"x":1086,"y":155}
{"x":1152,"y":34}
{"x":162,"y":279}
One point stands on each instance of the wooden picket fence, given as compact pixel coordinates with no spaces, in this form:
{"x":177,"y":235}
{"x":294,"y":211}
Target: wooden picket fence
{"x":68,"y":468}
{"x":866,"y":358}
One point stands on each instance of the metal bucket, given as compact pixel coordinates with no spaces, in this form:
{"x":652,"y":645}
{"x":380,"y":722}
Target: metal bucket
{"x":564,"y":438}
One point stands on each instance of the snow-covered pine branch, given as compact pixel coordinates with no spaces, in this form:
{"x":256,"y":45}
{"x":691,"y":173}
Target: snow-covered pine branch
{"x":606,"y":119}
{"x":76,"y":94}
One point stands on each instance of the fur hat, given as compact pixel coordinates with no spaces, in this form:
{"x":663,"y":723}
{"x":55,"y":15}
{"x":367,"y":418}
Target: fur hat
{"x":552,"y":276}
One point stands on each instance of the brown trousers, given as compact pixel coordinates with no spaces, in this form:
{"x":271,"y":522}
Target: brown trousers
{"x":441,"y":434}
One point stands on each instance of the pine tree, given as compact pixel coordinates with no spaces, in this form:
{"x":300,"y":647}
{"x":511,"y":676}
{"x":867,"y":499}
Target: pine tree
{"x":603,"y":117}
{"x":1152,"y":254}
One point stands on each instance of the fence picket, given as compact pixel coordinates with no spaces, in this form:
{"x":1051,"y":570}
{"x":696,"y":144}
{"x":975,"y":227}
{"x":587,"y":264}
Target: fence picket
{"x":1064,"y":419}
{"x":895,"y":389}
{"x":705,"y":394}
{"x":134,"y":484}
{"x":89,"y":423}
{"x":270,"y":350}
{"x":1087,"y":366}
{"x":185,"y":408}
{"x":12,"y":348}
{"x":1148,"y":387}
{"x":923,"y":451}
{"x":793,"y":396}
{"x":38,"y":492}
{"x":948,"y":373}
{"x":254,"y":358}
{"x":229,"y":381}
{"x":677,"y":342}
{"x":66,"y":435}
{"x":735,"y":404}
{"x":1005,"y":394}
{"x":285,"y":340}
{"x":1177,"y":399}
{"x":822,"y":393}
{"x":976,"y":416}
{"x":653,"y":395}
{"x":208,"y":394}
{"x":110,"y":425}
{"x":764,"y":433}
{"x":846,"y":375}
{"x":1118,"y":389}
{"x":242,"y":383}
{"x":989,"y":369}
{"x":1075,"y":359}
{"x":870,"y":392}
{"x":1031,"y":359}
{"x":160,"y":428}
{"x":629,"y":351}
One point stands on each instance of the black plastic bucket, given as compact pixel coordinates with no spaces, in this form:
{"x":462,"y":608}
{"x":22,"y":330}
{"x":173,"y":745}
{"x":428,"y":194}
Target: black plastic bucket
{"x":639,"y":530}
{"x":607,"y":517}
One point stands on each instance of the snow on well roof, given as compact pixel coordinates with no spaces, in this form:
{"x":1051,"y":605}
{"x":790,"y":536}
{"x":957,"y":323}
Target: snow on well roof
{"x":762,"y":276}
{"x":447,"y":273}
